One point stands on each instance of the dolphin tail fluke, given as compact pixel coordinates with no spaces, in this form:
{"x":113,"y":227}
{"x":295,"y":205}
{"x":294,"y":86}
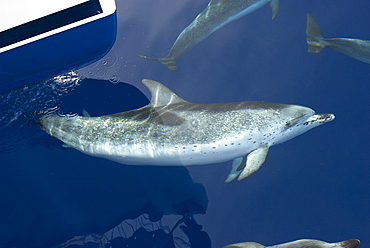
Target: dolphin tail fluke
{"x":351,"y":243}
{"x":169,"y":62}
{"x":314,"y":39}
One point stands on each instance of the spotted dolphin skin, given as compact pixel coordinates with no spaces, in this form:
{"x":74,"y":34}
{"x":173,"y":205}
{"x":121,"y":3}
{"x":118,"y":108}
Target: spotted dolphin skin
{"x":217,"y":14}
{"x":302,"y":243}
{"x":171,"y":131}
{"x":358,"y":49}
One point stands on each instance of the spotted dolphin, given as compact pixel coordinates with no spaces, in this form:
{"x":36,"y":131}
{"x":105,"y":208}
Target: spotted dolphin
{"x":171,"y":131}
{"x":358,"y":49}
{"x":302,"y":243}
{"x":214,"y":16}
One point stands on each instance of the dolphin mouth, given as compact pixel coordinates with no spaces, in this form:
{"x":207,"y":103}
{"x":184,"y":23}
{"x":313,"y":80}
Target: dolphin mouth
{"x":319,"y":118}
{"x":308,"y":119}
{"x":298,"y":120}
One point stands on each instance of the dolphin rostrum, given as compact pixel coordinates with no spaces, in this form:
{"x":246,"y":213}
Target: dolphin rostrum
{"x":358,"y":49}
{"x":214,"y":16}
{"x":172,"y":131}
{"x":302,"y":243}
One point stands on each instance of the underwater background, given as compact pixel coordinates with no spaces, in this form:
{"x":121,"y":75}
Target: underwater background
{"x":314,"y":186}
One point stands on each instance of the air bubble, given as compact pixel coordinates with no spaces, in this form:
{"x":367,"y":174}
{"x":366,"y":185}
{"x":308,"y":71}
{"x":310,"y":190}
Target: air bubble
{"x":100,"y":73}
{"x":114,"y":79}
{"x":110,"y":61}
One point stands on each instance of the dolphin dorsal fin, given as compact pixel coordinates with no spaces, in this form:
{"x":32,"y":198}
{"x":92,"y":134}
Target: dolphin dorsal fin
{"x":161,"y":95}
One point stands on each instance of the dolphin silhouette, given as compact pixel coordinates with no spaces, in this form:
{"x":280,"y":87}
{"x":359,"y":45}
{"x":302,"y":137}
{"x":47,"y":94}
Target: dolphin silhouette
{"x":214,"y":16}
{"x":172,"y":131}
{"x":358,"y":49}
{"x":302,"y":243}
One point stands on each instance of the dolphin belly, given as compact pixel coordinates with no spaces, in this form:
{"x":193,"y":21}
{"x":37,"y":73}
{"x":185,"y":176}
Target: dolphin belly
{"x":152,"y":153}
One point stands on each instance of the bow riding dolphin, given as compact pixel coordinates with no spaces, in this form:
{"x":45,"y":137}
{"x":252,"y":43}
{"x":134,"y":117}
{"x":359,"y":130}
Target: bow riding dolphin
{"x":302,"y":243}
{"x":172,"y":131}
{"x":214,"y":16}
{"x":358,"y":49}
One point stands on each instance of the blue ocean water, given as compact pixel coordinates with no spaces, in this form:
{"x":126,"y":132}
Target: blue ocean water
{"x":314,"y":186}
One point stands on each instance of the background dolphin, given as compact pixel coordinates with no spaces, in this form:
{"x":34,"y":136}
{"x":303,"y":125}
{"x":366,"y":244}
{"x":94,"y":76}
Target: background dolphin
{"x":358,"y":49}
{"x":302,"y":243}
{"x":172,"y":131}
{"x":217,"y":14}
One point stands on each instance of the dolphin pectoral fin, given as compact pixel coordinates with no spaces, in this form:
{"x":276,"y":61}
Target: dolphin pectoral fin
{"x":274,"y":4}
{"x":169,"y":62}
{"x":254,"y":161}
{"x":236,"y":168}
{"x":247,"y":165}
{"x":314,"y":37}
